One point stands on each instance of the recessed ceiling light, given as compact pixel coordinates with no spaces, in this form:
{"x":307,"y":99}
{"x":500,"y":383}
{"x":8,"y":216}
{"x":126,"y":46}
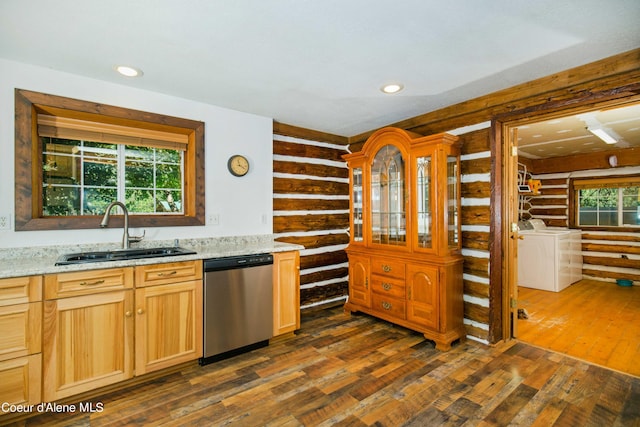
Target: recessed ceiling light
{"x":125,"y":70}
{"x":392,"y":88}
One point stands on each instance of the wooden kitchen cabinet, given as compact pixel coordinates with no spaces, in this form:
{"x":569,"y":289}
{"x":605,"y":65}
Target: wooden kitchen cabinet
{"x":87,"y":331}
{"x":405,"y":262}
{"x":286,"y":292}
{"x":20,"y":345}
{"x":168,"y":315}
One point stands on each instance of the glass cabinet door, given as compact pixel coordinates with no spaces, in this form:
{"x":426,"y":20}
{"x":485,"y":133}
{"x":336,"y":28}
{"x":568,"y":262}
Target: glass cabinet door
{"x":388,"y":213}
{"x":356,"y":204}
{"x":424,"y":195}
{"x":452,"y":202}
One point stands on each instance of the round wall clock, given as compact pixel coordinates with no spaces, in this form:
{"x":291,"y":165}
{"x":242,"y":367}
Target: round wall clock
{"x":238,"y":165}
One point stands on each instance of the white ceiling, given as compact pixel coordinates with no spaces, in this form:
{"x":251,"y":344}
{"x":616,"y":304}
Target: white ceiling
{"x":319,"y":64}
{"x":567,"y":136}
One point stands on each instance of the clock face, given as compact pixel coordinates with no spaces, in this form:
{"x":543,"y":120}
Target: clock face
{"x":238,"y":165}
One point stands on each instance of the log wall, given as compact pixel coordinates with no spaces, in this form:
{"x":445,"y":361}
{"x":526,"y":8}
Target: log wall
{"x":311,"y":208}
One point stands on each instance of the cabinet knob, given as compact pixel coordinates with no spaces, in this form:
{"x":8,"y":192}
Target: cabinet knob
{"x":386,"y":268}
{"x":386,"y":286}
{"x":128,"y":313}
{"x":140,"y":311}
{"x":386,"y":305}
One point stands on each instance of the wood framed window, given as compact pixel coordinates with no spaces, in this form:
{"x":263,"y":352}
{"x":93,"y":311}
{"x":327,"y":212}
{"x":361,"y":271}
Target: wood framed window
{"x":74,"y":157}
{"x":606,"y":203}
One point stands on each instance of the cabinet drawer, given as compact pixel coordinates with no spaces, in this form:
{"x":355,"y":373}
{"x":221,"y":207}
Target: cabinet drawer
{"x":386,"y":267}
{"x":20,"y":290}
{"x":87,"y":282}
{"x":390,"y":306}
{"x":170,"y":272}
{"x":388,"y":286}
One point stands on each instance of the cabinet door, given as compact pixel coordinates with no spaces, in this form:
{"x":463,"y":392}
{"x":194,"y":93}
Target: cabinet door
{"x":388,"y":197}
{"x":286,"y":292}
{"x":359,"y":291}
{"x":422,"y":295}
{"x":87,"y":343}
{"x":20,"y":329}
{"x":168,"y":325}
{"x":20,"y":380}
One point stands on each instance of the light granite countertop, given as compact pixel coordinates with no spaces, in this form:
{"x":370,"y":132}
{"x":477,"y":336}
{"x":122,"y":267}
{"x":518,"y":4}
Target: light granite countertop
{"x":29,"y":261}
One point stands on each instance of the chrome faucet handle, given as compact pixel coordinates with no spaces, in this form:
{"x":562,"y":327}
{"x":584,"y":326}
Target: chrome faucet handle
{"x":134,"y":239}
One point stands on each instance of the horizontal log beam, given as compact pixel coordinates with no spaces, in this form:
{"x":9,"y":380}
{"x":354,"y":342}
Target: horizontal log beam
{"x":284,"y":224}
{"x":307,"y":151}
{"x":309,"y":186}
{"x":312,"y":242}
{"x":280,"y":204}
{"x":323,"y":260}
{"x":320,"y":276}
{"x":312,"y":169}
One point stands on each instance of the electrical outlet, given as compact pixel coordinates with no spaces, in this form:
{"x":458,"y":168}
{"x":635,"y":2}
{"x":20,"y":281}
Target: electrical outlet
{"x":5,"y":222}
{"x":214,"y":219}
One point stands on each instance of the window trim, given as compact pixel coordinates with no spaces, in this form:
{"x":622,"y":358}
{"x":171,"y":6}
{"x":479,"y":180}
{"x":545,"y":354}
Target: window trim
{"x":28,"y":161}
{"x":576,"y":184}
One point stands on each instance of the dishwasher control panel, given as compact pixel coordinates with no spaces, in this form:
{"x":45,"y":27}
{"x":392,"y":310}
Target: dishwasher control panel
{"x":243,"y":261}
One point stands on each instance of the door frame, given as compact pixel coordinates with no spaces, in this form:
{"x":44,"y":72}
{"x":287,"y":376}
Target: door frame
{"x":502,"y":240}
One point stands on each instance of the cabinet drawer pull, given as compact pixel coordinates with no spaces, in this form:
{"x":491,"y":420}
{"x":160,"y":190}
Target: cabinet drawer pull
{"x":386,"y":268}
{"x":167,"y":274}
{"x":386,"y":286}
{"x":97,"y":282}
{"x":386,"y":305}
{"x":366,"y":283}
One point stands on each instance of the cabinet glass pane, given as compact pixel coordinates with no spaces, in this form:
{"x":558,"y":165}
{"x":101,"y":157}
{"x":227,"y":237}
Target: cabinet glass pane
{"x":424,"y":213}
{"x":388,"y":214}
{"x":356,"y":205}
{"x":452,"y":201}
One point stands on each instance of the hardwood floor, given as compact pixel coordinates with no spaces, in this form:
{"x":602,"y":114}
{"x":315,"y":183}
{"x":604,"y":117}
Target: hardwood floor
{"x":360,"y":371}
{"x":592,"y":320}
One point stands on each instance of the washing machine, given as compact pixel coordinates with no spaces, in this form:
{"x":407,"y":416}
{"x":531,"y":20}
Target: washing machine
{"x":549,"y":258}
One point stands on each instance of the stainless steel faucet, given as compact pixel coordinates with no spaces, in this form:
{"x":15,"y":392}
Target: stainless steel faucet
{"x":126,"y":239}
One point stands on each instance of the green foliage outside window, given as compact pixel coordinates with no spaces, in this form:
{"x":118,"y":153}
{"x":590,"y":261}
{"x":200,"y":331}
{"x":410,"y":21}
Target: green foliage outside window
{"x":83,"y":177}
{"x":615,"y":206}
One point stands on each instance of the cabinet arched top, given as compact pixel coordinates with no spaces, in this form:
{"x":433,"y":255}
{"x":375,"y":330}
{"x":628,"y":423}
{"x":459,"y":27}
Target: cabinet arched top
{"x":404,"y":140}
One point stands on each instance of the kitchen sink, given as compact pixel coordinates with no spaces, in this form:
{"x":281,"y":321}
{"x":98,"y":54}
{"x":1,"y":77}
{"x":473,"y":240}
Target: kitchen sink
{"x":120,"y":255}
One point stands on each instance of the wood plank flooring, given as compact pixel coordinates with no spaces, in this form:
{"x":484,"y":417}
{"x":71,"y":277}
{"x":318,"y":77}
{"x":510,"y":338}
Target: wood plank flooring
{"x":592,"y":320}
{"x":355,"y":370}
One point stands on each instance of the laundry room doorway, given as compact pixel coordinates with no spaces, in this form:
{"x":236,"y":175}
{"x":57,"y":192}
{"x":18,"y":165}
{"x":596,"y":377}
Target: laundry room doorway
{"x":562,"y":137}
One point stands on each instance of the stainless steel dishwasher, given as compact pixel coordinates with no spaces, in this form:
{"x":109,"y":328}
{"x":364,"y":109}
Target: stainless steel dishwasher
{"x":238,"y":305}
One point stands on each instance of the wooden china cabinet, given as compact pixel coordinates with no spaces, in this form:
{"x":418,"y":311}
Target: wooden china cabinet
{"x":405,"y":264}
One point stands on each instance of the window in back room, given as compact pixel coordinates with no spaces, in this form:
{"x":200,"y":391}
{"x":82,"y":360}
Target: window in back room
{"x":608,"y":202}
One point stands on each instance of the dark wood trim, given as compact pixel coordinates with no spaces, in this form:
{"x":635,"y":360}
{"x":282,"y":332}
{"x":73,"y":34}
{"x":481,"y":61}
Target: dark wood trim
{"x":496,"y":285}
{"x":28,"y":170}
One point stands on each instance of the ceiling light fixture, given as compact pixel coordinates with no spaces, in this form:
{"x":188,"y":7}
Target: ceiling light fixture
{"x":127,"y":71}
{"x":603,"y":135}
{"x":392,"y":88}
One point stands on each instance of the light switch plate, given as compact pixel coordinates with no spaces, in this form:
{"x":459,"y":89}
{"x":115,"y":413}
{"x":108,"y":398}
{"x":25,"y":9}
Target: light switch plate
{"x":5,"y":222}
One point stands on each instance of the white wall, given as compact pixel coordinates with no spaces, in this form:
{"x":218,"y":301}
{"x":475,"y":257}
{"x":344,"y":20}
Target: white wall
{"x":244,"y":205}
